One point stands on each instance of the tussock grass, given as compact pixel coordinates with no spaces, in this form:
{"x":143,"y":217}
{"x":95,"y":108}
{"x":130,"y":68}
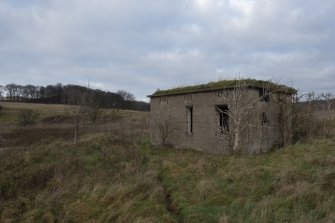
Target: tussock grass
{"x":114,"y":175}
{"x":28,"y":136}
{"x":295,"y":184}
{"x":118,"y":180}
{"x":101,"y":182}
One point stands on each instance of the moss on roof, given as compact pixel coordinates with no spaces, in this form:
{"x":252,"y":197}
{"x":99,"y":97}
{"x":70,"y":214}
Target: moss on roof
{"x":224,"y":84}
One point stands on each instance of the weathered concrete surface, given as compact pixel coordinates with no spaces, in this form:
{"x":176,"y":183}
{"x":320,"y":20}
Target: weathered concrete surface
{"x":256,"y":138}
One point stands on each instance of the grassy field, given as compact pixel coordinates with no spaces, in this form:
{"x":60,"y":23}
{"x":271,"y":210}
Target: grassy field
{"x":115,"y":175}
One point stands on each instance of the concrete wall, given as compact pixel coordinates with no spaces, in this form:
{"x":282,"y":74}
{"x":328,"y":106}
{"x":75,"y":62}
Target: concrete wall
{"x":256,"y":138}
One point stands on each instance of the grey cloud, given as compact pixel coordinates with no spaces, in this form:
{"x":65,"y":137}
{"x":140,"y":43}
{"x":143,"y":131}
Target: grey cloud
{"x":144,"y":45}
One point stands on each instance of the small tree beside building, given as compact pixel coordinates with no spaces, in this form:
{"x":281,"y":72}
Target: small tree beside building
{"x":233,"y":116}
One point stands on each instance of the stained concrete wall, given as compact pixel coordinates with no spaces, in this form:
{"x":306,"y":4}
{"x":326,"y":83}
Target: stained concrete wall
{"x":256,"y":138}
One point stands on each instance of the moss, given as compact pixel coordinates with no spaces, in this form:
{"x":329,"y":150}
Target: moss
{"x":224,"y":84}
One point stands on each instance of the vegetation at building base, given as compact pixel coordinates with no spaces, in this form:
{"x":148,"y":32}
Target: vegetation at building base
{"x":113,"y":174}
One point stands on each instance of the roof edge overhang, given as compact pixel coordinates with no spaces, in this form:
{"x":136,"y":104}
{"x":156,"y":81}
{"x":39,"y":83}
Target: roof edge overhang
{"x":288,"y":91}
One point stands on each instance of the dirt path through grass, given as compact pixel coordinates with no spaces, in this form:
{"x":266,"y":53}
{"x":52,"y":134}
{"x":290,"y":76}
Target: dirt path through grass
{"x":169,"y":202}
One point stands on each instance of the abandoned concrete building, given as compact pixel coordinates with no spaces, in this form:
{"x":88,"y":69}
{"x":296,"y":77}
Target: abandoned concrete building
{"x":214,"y":117}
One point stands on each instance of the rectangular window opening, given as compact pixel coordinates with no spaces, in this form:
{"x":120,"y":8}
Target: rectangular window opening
{"x":189,"y":120}
{"x":264,"y":95}
{"x":163,"y":100}
{"x":223,"y":117}
{"x":264,"y":119}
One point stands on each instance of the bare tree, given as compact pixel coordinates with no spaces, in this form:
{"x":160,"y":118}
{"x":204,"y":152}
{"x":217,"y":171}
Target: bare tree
{"x":2,"y":89}
{"x":30,"y":91}
{"x":19,"y":92}
{"x":241,"y":103}
{"x":93,"y":106}
{"x":11,"y":89}
{"x":77,"y":107}
{"x":328,"y":99}
{"x":127,"y":96}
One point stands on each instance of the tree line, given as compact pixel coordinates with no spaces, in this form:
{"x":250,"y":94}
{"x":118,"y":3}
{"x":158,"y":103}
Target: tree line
{"x":60,"y":94}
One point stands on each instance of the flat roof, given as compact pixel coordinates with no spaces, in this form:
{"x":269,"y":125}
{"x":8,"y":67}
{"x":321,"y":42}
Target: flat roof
{"x":224,"y":84}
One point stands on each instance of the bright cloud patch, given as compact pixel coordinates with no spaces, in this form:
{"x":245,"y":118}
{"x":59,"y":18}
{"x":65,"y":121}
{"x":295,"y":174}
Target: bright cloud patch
{"x":144,"y":45}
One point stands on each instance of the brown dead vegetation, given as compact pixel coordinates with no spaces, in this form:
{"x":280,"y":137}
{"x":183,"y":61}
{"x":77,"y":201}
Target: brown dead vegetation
{"x":114,"y":175}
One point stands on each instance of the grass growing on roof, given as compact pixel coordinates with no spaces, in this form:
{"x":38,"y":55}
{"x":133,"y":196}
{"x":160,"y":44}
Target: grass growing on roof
{"x":222,"y":85}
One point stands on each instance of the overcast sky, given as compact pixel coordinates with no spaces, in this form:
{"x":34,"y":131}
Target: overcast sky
{"x":142,"y":45}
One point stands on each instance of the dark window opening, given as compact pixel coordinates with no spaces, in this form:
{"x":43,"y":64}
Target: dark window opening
{"x":189,"y":120}
{"x":264,"y":118}
{"x":223,"y":117}
{"x":264,"y":95}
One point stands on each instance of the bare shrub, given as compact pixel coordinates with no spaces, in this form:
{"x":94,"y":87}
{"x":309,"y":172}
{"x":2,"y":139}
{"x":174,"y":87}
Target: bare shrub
{"x":94,"y":113}
{"x":328,"y":100}
{"x":27,"y":116}
{"x":115,"y":114}
{"x":286,"y":117}
{"x":311,"y":117}
{"x":166,"y":130}
{"x":297,"y":117}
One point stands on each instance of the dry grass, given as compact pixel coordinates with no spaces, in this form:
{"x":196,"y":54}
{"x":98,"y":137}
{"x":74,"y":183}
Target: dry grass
{"x":114,"y":175}
{"x":89,"y":182}
{"x":328,"y":115}
{"x":44,"y":109}
{"x":292,"y":185}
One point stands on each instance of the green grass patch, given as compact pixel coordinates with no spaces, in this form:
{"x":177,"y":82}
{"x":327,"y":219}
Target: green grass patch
{"x":284,"y":186}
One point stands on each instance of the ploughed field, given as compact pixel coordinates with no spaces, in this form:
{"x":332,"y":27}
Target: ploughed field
{"x":114,"y":174}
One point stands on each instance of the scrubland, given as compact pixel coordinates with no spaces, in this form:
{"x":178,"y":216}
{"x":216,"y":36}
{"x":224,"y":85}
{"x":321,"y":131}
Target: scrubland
{"x":114,"y":174}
